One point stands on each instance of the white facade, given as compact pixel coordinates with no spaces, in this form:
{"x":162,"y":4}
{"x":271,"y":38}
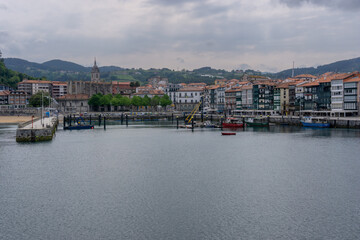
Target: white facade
{"x":337,"y":95}
{"x":187,"y":98}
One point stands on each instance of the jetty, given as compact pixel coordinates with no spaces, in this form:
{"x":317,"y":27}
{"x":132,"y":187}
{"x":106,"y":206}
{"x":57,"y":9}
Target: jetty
{"x":37,"y":130}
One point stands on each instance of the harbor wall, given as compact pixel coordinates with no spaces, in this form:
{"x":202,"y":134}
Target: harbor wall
{"x":36,"y":135}
{"x":335,"y":122}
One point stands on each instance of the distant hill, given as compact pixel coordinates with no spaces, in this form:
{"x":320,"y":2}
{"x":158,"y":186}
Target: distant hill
{"x":343,"y":66}
{"x":60,"y":65}
{"x":59,"y":70}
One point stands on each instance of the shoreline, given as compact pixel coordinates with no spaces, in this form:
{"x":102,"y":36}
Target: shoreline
{"x":14,"y":119}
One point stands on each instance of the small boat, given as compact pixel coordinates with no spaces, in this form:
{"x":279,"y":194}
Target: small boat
{"x":80,"y":125}
{"x":257,"y":122}
{"x":232,"y":123}
{"x":317,"y":123}
{"x":208,"y":124}
{"x":228,"y":133}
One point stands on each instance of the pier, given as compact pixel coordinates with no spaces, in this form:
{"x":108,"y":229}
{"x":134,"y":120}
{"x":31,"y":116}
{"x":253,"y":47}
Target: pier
{"x":37,"y":130}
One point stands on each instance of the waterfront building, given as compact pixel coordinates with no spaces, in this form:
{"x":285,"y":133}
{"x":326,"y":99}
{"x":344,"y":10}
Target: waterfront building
{"x":324,"y":93}
{"x":74,"y":103}
{"x":310,"y":95}
{"x":337,"y":93}
{"x":277,"y":106}
{"x":188,"y":98}
{"x":292,"y":98}
{"x":247,"y":97}
{"x":299,"y":95}
{"x":352,"y":95}
{"x":283,"y":100}
{"x":205,"y":98}
{"x":263,"y":96}
{"x":58,"y":89}
{"x":32,"y":87}
{"x":12,"y":99}
{"x":230,"y":99}
{"x":171,"y":90}
{"x":238,"y":95}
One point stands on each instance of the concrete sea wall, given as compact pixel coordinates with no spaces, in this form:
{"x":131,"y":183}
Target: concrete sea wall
{"x":36,"y":135}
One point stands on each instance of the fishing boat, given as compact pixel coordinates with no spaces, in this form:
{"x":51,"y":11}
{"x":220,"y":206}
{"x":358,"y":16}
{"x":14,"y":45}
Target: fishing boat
{"x":228,"y":133}
{"x":317,"y":123}
{"x":80,"y":125}
{"x":257,"y":122}
{"x":232,"y":123}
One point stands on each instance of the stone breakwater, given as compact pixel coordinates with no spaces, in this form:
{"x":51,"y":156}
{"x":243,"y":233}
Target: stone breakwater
{"x":26,"y":132}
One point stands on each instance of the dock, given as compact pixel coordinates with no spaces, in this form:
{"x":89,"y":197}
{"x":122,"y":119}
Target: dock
{"x":37,"y":130}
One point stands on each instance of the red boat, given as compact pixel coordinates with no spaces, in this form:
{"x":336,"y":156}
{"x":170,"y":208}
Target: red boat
{"x":228,"y":133}
{"x":232,"y":123}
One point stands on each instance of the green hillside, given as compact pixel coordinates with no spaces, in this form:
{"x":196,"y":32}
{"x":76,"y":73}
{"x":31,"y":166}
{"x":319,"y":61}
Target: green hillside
{"x":9,"y":77}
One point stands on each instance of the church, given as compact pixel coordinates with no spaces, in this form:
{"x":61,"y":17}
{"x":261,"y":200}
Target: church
{"x":79,"y":92}
{"x":96,"y":85}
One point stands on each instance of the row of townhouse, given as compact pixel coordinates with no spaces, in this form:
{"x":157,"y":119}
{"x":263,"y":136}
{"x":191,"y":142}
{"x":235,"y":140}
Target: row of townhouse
{"x":12,"y":99}
{"x":54,"y":88}
{"x":330,"y":95}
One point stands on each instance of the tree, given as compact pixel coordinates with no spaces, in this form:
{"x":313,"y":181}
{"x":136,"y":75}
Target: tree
{"x":136,"y":101}
{"x":106,"y":100}
{"x":165,"y":101}
{"x":155,"y":101}
{"x":115,"y":101}
{"x":36,"y":99}
{"x":94,"y":101}
{"x":146,"y":101}
{"x":125,"y":101}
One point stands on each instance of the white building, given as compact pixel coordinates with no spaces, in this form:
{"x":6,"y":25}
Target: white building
{"x":32,"y":87}
{"x":187,"y":98}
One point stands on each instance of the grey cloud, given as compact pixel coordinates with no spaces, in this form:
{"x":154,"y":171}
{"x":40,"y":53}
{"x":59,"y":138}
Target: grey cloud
{"x":3,"y":7}
{"x":180,"y":60}
{"x":352,"y":5}
{"x":174,"y":2}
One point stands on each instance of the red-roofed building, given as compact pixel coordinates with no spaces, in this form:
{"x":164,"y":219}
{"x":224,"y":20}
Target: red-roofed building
{"x":188,"y":98}
{"x":74,"y":103}
{"x":123,"y":88}
{"x":32,"y":87}
{"x":58,"y":89}
{"x":11,"y":99}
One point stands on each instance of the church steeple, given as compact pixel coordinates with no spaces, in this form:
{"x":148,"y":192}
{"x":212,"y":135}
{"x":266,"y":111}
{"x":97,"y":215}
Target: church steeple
{"x":95,"y":73}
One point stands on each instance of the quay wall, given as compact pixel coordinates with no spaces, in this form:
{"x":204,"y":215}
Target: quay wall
{"x":36,"y":135}
{"x":335,"y":122}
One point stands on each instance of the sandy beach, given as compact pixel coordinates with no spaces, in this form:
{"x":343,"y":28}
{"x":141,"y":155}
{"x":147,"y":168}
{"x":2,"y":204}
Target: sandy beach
{"x":14,"y":119}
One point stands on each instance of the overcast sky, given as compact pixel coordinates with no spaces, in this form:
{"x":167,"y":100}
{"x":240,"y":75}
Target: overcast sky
{"x":265,"y":35}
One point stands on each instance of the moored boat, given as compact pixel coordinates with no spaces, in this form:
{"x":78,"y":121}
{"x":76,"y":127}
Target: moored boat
{"x":316,"y":123}
{"x":257,"y":122}
{"x":228,"y":133}
{"x":79,"y":127}
{"x":232,"y":123}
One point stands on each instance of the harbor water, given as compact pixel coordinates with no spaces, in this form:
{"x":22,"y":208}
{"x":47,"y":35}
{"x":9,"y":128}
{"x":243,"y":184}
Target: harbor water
{"x":153,"y":181}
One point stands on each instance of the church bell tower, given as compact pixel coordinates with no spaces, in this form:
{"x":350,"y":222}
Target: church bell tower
{"x":95,"y":73}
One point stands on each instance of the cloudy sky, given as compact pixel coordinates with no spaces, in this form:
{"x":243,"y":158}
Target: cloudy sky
{"x":265,"y":35}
